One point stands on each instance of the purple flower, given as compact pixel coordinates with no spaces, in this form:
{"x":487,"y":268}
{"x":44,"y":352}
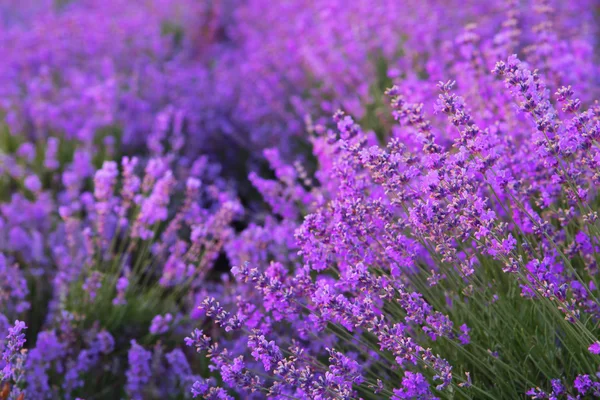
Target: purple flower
{"x":121,"y":287}
{"x":138,"y":373}
{"x":199,"y":388}
{"x":12,"y":345}
{"x":582,"y":383}
{"x":160,"y":324}
{"x":594,"y":348}
{"x":32,"y":182}
{"x":414,"y":386}
{"x":264,"y":351}
{"x":464,"y":338}
{"x":104,"y":343}
{"x":198,"y":339}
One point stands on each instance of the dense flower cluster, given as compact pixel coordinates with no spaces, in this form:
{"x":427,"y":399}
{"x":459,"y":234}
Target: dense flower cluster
{"x":419,"y":263}
{"x":177,"y":166}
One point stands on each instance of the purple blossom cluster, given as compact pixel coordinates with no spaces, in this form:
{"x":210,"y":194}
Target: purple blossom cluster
{"x":483,"y":198}
{"x":339,"y":200}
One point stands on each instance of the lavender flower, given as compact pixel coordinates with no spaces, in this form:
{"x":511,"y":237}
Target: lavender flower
{"x":160,"y":324}
{"x":139,"y":373}
{"x":12,"y":345}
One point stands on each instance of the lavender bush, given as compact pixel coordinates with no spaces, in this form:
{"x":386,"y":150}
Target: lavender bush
{"x":455,"y":262}
{"x":326,"y":199}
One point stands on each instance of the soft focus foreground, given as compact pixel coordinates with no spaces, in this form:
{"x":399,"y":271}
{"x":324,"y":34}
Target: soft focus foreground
{"x":325,"y":199}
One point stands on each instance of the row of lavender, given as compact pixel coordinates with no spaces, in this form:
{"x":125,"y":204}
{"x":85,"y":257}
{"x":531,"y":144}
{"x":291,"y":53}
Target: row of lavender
{"x":446,"y":249}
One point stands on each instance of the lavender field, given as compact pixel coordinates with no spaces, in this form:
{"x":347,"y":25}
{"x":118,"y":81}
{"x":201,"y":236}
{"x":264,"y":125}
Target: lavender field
{"x":299,"y":199}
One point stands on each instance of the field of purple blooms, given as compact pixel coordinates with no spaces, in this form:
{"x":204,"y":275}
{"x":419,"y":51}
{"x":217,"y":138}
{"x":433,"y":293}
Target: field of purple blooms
{"x":299,"y":199}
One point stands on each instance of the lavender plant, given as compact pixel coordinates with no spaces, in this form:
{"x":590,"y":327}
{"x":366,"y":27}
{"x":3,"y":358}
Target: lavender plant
{"x":449,"y":273}
{"x":434,"y":241}
{"x":119,"y":256}
{"x":458,"y":261}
